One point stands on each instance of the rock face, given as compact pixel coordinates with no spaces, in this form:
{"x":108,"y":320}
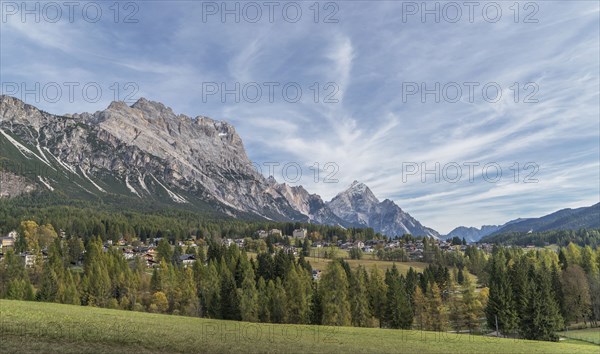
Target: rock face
{"x":12,"y":185}
{"x":359,"y":206}
{"x":147,"y":152}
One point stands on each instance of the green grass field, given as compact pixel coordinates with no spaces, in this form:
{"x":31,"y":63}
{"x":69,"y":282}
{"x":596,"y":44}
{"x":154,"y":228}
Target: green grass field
{"x":367,"y":261}
{"x":591,"y":335}
{"x":53,"y":328}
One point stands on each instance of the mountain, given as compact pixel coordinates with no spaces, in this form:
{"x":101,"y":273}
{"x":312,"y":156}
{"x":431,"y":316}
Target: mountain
{"x":472,"y":234}
{"x":145,"y":152}
{"x":359,"y":206}
{"x":565,"y":219}
{"x":145,"y":155}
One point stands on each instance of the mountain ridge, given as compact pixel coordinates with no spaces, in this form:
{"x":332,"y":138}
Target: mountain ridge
{"x":563,"y":219}
{"x":148,"y":153}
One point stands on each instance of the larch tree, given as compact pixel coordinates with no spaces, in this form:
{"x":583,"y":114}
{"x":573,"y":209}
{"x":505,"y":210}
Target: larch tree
{"x":333,"y":288}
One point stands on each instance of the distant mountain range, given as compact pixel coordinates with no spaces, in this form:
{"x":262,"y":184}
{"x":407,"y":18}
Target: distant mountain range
{"x":472,"y":234}
{"x":565,"y":219}
{"x":145,"y":154}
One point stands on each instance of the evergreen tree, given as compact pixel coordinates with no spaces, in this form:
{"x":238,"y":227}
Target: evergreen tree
{"x":248,"y":296}
{"x":298,"y":297}
{"x":562,"y":259}
{"x":500,"y":308}
{"x":188,"y":303}
{"x":472,"y":307}
{"x":557,"y":289}
{"x":460,"y":277}
{"x":359,"y":299}
{"x":436,"y":310}
{"x":230,"y":305}
{"x":456,"y":308}
{"x":96,"y":285}
{"x":277,"y":301}
{"x":333,"y":288}
{"x":541,"y":318}
{"x":156,"y":283}
{"x":399,"y":310}
{"x":264,"y":313}
{"x":211,"y":292}
{"x":164,"y":250}
{"x":316,"y":308}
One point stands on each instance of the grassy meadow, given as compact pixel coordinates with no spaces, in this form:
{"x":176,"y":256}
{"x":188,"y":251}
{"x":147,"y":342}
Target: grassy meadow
{"x":55,"y":328}
{"x":591,"y":335}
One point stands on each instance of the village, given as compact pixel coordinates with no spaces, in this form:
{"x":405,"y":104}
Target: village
{"x":300,"y":242}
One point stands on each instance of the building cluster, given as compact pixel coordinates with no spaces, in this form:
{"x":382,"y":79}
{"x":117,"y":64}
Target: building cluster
{"x":414,"y":249}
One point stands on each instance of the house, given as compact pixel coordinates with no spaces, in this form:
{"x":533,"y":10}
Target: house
{"x":9,"y":241}
{"x":227,"y":242}
{"x":128,"y":254}
{"x":359,"y":244}
{"x":275,"y":232}
{"x":290,"y":250}
{"x":299,"y":233}
{"x":187,"y":259}
{"x":262,"y":234}
{"x":29,"y":259}
{"x":6,"y":242}
{"x":239,"y":242}
{"x":141,"y":249}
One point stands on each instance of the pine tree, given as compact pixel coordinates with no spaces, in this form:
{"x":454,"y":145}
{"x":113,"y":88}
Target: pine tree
{"x":230,"y":305}
{"x":264,"y":313}
{"x":156,"y":283}
{"x":333,"y":288}
{"x":96,"y":284}
{"x":316,"y":308}
{"x":277,"y":301}
{"x":436,"y":309}
{"x":211,"y":292}
{"x":472,"y":307}
{"x":541,"y":318}
{"x":562,"y":259}
{"x":421,"y":315}
{"x":164,"y":250}
{"x":460,"y":278}
{"x":557,"y":289}
{"x":399,"y":310}
{"x":298,"y":297}
{"x":248,"y":295}
{"x":188,"y":300}
{"x":500,"y":308}
{"x":359,"y":299}
{"x":49,"y":289}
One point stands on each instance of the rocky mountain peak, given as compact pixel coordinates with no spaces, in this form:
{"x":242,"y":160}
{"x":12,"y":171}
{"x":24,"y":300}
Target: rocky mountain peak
{"x":148,"y":152}
{"x":358,"y":192}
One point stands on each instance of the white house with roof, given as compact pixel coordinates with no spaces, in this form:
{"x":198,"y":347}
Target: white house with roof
{"x":299,"y":233}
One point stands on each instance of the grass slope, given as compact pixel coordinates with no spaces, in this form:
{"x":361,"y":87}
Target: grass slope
{"x":55,"y":328}
{"x":591,"y":335}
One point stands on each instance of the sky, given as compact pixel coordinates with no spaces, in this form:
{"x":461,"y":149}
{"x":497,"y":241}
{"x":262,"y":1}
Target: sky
{"x":461,"y":114}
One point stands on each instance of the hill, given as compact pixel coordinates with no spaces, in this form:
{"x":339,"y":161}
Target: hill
{"x":565,"y":219}
{"x":55,"y":328}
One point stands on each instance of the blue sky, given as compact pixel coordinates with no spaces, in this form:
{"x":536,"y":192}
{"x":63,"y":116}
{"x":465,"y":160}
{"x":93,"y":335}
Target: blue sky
{"x":368,"y":59}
